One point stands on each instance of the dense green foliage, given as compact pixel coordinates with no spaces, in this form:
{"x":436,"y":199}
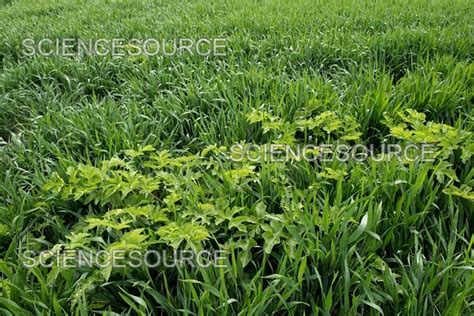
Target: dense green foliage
{"x":104,"y":153}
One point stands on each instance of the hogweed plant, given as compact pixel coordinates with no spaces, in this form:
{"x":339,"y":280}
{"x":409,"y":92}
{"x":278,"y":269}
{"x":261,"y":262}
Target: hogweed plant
{"x":149,"y":200}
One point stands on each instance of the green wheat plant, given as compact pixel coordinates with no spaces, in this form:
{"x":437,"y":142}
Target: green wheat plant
{"x":138,"y":154}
